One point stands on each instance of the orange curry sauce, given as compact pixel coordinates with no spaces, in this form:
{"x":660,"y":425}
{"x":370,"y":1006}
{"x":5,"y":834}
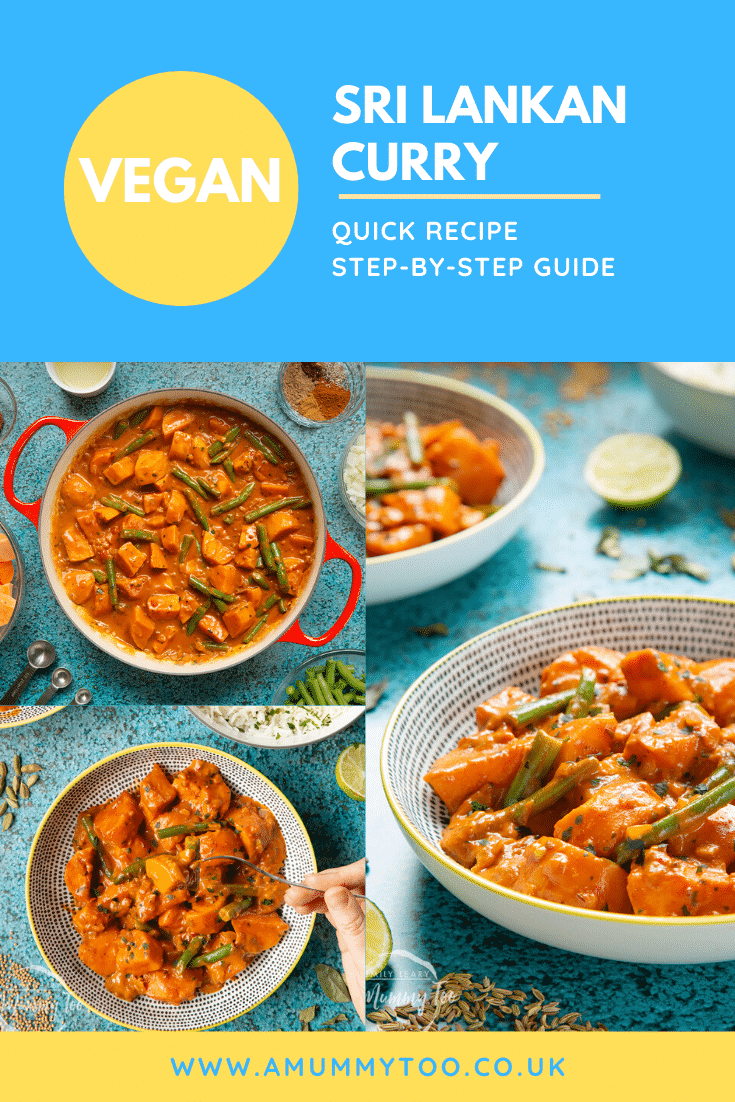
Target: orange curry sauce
{"x":195,"y":580}
{"x":144,"y":915}
{"x":658,"y":729}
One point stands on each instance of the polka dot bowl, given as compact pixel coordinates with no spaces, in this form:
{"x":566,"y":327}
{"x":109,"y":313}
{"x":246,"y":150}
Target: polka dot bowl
{"x":439,"y":709}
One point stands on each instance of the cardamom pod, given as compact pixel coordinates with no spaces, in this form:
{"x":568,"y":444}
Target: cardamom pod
{"x":25,"y":791}
{"x":34,"y":768}
{"x":7,"y":820}
{"x":32,"y":780}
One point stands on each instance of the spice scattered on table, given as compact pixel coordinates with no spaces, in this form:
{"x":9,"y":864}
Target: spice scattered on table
{"x":459,"y":1003}
{"x":609,"y":543}
{"x":318,"y":391}
{"x":25,"y":1005}
{"x":550,"y":568}
{"x":431,"y":629}
{"x":19,"y":786}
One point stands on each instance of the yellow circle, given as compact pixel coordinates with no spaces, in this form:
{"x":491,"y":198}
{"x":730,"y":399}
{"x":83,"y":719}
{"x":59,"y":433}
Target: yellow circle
{"x":203,"y":232}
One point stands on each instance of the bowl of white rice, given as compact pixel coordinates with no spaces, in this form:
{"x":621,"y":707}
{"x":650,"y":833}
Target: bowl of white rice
{"x":276,"y":728}
{"x":352,"y":477}
{"x":699,"y":397}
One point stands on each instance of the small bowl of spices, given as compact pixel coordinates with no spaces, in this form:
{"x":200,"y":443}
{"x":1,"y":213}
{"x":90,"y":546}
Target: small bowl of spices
{"x":315,"y":394}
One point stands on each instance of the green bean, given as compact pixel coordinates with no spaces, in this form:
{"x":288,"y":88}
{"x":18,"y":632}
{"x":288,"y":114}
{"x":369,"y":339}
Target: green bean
{"x":135,"y":444}
{"x":274,"y":446}
{"x":223,"y":456}
{"x":722,"y":773}
{"x":258,"y":579}
{"x":206,"y":490}
{"x":188,"y":954}
{"x":140,"y":534}
{"x":232,"y":434}
{"x":121,"y":505}
{"x":228,"y":597}
{"x":185,"y":545}
{"x":292,"y":693}
{"x":348,"y":696}
{"x":188,"y":481}
{"x":213,"y":957}
{"x":263,"y":448}
{"x":539,"y":709}
{"x":198,"y":546}
{"x":534,"y":768}
{"x":265,"y":546}
{"x":139,"y":417}
{"x":324,"y":689}
{"x":581,"y":702}
{"x":282,"y":606}
{"x":230,"y":470}
{"x":233,"y":502}
{"x":270,"y":602}
{"x":306,"y":695}
{"x":685,"y":818}
{"x":359,"y":698}
{"x":119,"y":429}
{"x":99,"y":575}
{"x":211,"y":645}
{"x":338,"y":695}
{"x":146,"y":927}
{"x":182,"y":828}
{"x":220,"y":605}
{"x":198,"y":511}
{"x":283,"y":583}
{"x":316,"y":690}
{"x":131,"y":871}
{"x":390,"y":486}
{"x":95,"y":842}
{"x":215,"y":448}
{"x":238,"y":889}
{"x":235,"y":908}
{"x":331,"y":671}
{"x":253,"y":631}
{"x":413,"y":439}
{"x":214,"y":490}
{"x":274,"y":506}
{"x":348,"y":676}
{"x":196,"y":584}
{"x":111,"y":581}
{"x":195,"y":618}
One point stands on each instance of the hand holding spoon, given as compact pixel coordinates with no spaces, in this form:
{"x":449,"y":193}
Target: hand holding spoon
{"x":60,"y":679}
{"x":272,"y":875}
{"x":40,"y":655}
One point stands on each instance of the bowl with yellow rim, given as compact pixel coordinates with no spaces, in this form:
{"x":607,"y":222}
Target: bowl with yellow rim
{"x":439,"y":709}
{"x":48,"y":900}
{"x":392,"y":392}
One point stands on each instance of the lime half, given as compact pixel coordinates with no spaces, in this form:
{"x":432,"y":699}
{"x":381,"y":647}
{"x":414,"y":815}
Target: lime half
{"x":350,"y":771}
{"x":633,"y":469}
{"x":378,"y":941}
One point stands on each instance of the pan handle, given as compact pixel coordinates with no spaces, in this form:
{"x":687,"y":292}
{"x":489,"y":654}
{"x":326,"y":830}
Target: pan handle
{"x":296,"y":635}
{"x":31,"y":509}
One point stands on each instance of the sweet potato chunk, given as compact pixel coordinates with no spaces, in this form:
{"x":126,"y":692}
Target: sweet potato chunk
{"x":718,"y":690}
{"x":593,"y":736}
{"x":256,"y":933}
{"x":213,"y":627}
{"x":653,"y":676}
{"x":189,"y":605}
{"x":281,"y":523}
{"x":224,"y":578}
{"x":491,"y":713}
{"x":132,"y":587}
{"x":150,"y":467}
{"x":157,"y":794}
{"x":602,"y":821}
{"x":712,"y":842}
{"x":131,"y":558}
{"x":660,"y":752}
{"x":138,"y":952}
{"x":180,"y":447}
{"x":141,"y":628}
{"x":550,"y":869}
{"x":170,"y":538}
{"x":154,"y":418}
{"x":118,"y":820}
{"x":77,"y":548}
{"x":199,"y":453}
{"x":175,"y":507}
{"x":78,"y":874}
{"x":100,"y":459}
{"x":397,"y":539}
{"x":99,"y":952}
{"x":157,"y":558}
{"x":79,"y":584}
{"x":76,"y":489}
{"x":256,"y":826}
{"x":169,"y":986}
{"x":474,"y":466}
{"x":202,"y":788}
{"x":163,"y":606}
{"x":151,"y":502}
{"x":102,"y":602}
{"x":175,"y":419}
{"x":214,"y":551}
{"x":437,"y":506}
{"x":105,"y":513}
{"x":120,"y":471}
{"x":238,"y":618}
{"x":456,"y":774}
{"x":665,"y":885}
{"x":219,"y":841}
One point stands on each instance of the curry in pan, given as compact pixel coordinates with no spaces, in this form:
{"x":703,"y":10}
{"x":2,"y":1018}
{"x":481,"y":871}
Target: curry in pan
{"x":612,"y":791}
{"x":183,"y":532}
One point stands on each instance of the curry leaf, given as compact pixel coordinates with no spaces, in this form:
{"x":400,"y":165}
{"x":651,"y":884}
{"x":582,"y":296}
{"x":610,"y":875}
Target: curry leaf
{"x":332,"y":983}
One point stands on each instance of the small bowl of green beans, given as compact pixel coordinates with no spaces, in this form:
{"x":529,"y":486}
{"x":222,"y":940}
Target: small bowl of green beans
{"x":335,"y":677}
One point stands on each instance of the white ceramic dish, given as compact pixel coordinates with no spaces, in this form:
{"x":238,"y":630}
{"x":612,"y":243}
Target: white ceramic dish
{"x":701,"y":414}
{"x":268,"y":742}
{"x":439,"y":709}
{"x":82,"y":392}
{"x":78,"y":434}
{"x":432,"y":398}
{"x":48,"y":899}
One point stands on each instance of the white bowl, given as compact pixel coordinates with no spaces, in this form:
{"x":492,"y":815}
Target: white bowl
{"x":268,"y":742}
{"x":84,"y":392}
{"x":700,"y":413}
{"x":47,"y":897}
{"x":439,"y":708}
{"x":432,"y":398}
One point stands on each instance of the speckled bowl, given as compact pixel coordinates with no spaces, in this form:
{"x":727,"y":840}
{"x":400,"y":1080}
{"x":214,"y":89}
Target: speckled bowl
{"x":432,"y":398}
{"x":439,"y":708}
{"x":48,"y":899}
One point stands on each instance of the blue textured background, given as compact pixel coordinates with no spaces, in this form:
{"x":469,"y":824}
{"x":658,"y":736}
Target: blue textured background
{"x":563,"y":530}
{"x":72,"y":740}
{"x":111,"y":681}
{"x":664,"y":176}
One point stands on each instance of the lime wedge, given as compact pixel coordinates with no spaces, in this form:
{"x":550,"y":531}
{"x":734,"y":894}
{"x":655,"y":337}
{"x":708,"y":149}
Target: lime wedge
{"x":633,"y":469}
{"x":350,"y":771}
{"x":378,"y":941}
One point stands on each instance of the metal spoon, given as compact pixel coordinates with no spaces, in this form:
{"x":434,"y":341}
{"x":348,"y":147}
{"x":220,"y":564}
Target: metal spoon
{"x":83,"y":696}
{"x":60,"y":679}
{"x":40,"y":655}
{"x":272,"y":875}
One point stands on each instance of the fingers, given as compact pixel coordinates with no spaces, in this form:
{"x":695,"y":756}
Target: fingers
{"x":346,"y":914}
{"x":306,"y":902}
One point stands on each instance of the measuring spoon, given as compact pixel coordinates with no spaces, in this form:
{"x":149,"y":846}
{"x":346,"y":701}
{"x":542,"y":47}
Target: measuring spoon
{"x":40,"y":655}
{"x":60,"y":679}
{"x":83,"y":696}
